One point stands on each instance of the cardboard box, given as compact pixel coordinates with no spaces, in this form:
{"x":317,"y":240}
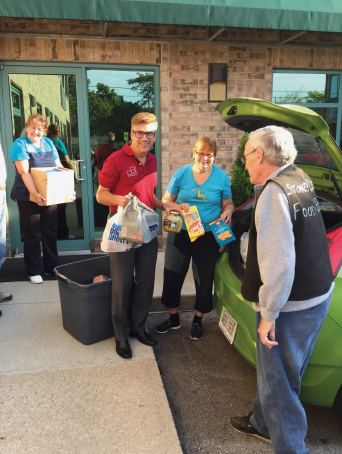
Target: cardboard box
{"x":222,"y":232}
{"x":55,"y":184}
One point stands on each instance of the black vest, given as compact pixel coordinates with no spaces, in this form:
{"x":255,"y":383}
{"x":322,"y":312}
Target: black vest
{"x":313,"y":273}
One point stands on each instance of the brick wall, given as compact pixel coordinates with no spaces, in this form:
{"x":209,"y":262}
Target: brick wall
{"x":185,"y":111}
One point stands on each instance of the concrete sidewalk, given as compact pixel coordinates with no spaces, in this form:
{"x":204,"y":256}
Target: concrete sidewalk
{"x":60,"y":396}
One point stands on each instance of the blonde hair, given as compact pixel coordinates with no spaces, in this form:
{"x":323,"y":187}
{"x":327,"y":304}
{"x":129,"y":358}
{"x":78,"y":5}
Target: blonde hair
{"x":143,"y":117}
{"x":206,"y":142}
{"x":37,"y":118}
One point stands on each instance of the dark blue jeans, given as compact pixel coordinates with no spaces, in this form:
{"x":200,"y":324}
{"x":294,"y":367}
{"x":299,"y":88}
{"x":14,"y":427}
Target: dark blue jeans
{"x":278,"y":412}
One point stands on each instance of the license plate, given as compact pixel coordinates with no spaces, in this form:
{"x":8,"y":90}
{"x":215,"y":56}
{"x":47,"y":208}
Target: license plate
{"x":228,"y":325}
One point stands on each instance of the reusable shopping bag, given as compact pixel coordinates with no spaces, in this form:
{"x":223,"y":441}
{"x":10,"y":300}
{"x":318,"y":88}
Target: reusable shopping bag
{"x":111,"y":239}
{"x":139,"y":222}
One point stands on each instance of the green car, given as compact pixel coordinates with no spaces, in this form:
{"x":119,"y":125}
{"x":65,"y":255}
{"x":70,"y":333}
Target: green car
{"x":320,"y":157}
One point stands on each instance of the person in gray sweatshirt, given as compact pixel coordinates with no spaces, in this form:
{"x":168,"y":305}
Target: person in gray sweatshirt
{"x":290,"y":289}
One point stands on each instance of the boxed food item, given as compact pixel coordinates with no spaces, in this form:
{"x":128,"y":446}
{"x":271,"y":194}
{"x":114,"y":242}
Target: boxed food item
{"x":100,"y":278}
{"x":222,"y":232}
{"x":193,"y":223}
{"x":55,"y":184}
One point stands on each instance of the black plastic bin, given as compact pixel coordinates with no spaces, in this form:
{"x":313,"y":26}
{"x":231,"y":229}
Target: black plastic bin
{"x":86,"y":307}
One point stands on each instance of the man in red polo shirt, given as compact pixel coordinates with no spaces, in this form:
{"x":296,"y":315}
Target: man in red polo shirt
{"x":132,"y":169}
{"x":104,"y":151}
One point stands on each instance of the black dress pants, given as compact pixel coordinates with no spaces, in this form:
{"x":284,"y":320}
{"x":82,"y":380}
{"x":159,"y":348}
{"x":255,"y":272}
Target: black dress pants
{"x":179,"y":252}
{"x":132,"y":275}
{"x":39,"y":221}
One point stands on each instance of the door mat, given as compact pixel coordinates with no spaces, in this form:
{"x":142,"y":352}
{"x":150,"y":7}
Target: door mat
{"x":14,"y":270}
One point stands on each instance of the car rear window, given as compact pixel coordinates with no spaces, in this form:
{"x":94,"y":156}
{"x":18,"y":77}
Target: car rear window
{"x":309,"y":152}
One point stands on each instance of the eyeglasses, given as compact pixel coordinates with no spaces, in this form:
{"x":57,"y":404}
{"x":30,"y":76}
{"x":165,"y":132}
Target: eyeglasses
{"x":41,"y":131}
{"x":245,"y":156}
{"x":141,"y":134}
{"x":205,"y":155}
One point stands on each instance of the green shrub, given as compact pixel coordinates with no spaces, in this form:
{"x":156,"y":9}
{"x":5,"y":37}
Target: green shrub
{"x":242,"y":188}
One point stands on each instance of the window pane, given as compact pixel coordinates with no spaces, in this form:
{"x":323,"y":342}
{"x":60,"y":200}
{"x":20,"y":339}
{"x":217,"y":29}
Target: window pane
{"x":309,"y":152}
{"x":46,"y":89}
{"x":305,"y":88}
{"x":114,"y":97}
{"x":330,"y":117}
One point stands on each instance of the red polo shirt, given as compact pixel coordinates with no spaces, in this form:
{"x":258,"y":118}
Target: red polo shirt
{"x":102,"y":153}
{"x":123,"y":173}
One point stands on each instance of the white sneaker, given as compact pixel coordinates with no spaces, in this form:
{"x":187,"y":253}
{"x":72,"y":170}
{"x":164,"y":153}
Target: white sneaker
{"x":36,"y":279}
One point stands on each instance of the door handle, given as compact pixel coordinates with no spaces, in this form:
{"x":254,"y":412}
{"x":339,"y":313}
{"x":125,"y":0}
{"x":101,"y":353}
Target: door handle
{"x":77,"y":169}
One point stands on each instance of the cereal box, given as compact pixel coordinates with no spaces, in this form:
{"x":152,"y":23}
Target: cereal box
{"x":193,"y":223}
{"x":222,"y":232}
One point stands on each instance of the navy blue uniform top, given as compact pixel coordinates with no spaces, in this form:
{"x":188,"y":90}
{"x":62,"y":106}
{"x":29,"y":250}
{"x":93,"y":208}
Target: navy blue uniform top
{"x":23,"y":149}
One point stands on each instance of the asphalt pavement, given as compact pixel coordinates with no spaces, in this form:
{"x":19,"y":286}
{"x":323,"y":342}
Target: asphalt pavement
{"x":207,"y":382}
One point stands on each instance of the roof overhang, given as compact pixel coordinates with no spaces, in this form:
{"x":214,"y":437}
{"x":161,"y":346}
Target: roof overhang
{"x":305,"y":15}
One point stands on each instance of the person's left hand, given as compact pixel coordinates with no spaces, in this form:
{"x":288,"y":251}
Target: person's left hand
{"x":266,"y":332}
{"x":226,"y":216}
{"x":73,"y":196}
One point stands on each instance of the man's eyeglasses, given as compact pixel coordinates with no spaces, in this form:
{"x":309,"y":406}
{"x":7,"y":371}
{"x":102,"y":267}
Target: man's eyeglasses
{"x":245,"y":156}
{"x":205,"y":155}
{"x":141,"y":134}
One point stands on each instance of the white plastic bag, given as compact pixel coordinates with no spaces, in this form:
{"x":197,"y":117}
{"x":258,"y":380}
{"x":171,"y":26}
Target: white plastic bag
{"x":111,"y":240}
{"x":139,"y":223}
{"x":244,"y":247}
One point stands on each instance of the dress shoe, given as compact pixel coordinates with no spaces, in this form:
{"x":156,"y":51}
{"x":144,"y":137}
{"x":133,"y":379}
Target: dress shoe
{"x":123,"y":349}
{"x":4,"y":297}
{"x":144,"y":338}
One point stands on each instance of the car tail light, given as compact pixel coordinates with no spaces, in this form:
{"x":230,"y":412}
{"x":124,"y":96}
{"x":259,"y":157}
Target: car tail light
{"x":335,"y":249}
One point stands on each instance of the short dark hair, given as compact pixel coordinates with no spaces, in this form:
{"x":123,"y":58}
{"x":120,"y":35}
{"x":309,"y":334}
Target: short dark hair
{"x":53,"y":131}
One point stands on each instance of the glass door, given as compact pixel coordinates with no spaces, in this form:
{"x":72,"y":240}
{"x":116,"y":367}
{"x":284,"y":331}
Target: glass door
{"x":114,"y":97}
{"x":56,"y":93}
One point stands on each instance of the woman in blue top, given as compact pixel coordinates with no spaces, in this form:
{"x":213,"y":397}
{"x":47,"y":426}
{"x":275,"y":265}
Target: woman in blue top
{"x":29,"y":151}
{"x":206,"y":186}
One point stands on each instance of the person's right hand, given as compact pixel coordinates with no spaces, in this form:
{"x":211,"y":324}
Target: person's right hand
{"x":124,"y":201}
{"x":185,"y":207}
{"x":39,"y":199}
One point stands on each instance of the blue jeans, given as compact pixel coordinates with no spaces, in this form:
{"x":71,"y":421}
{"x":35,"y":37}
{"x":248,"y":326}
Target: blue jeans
{"x":2,"y":224}
{"x":278,"y":412}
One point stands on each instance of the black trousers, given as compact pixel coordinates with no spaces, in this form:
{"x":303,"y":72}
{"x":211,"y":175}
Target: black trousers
{"x":179,"y":251}
{"x":62,"y":226}
{"x":132,"y":274}
{"x":39,"y":221}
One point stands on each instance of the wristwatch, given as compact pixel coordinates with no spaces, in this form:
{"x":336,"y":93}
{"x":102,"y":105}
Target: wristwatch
{"x":162,"y":206}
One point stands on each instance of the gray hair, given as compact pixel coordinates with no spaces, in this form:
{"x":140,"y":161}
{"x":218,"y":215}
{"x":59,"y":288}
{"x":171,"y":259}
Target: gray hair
{"x":277,"y":144}
{"x":109,"y":137}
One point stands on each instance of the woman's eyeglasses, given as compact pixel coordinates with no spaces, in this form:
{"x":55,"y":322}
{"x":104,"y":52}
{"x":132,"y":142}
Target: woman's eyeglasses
{"x":205,"y":155}
{"x":141,"y":134}
{"x":41,"y":131}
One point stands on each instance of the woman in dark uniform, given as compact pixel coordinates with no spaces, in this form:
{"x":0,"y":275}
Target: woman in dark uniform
{"x":29,"y":151}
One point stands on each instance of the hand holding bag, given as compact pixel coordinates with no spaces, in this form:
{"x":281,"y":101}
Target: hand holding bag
{"x":139,"y":223}
{"x":111,"y":240}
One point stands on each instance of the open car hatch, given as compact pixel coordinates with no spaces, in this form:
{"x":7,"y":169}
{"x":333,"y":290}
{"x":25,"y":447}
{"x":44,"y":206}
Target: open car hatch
{"x":318,"y":154}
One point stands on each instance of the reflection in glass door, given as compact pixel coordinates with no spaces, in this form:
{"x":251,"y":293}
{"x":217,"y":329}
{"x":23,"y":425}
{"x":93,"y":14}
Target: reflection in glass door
{"x":114,"y":97}
{"x":54,"y":97}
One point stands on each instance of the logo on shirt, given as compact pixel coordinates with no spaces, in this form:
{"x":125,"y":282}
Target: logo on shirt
{"x":132,"y":172}
{"x":198,"y":194}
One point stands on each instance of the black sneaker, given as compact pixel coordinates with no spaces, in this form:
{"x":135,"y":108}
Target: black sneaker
{"x":196,"y":332}
{"x":243,"y":425}
{"x":166,"y":326}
